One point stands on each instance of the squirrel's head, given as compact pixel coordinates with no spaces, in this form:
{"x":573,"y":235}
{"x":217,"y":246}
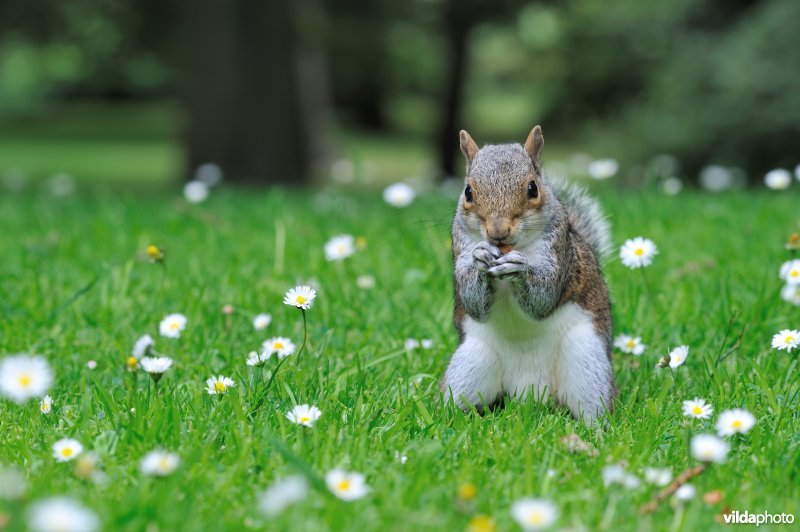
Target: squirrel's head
{"x":505,"y":199}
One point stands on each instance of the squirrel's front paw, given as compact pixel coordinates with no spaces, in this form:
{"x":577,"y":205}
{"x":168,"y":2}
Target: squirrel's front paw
{"x":485,"y":255}
{"x":510,"y":264}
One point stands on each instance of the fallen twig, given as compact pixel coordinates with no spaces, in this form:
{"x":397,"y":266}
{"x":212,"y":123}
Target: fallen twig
{"x":679,"y":481}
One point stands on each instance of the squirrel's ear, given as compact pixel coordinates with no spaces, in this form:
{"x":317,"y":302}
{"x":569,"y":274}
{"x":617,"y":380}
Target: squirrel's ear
{"x":468,"y":146}
{"x":533,"y":146}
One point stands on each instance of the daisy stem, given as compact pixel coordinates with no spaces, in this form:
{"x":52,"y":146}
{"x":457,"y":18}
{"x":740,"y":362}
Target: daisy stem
{"x":305,"y":336}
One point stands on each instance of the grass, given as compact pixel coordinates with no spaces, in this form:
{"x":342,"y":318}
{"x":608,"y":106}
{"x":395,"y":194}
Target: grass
{"x":77,"y":288}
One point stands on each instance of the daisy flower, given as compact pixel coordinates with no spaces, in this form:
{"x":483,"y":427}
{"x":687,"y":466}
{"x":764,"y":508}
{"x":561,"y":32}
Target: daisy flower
{"x":534,"y":514}
{"x":786,"y":339}
{"x":709,"y":448}
{"x":46,"y":404}
{"x":304,"y":415}
{"x":678,"y":356}
{"x":638,"y":252}
{"x":399,"y":195}
{"x":23,"y":377}
{"x":697,"y":408}
{"x":67,"y":449}
{"x":658,"y":477}
{"x":340,"y":247}
{"x":735,"y":421}
{"x":778,"y":179}
{"x":61,"y":514}
{"x":790,"y":272}
{"x":283,"y":493}
{"x":159,"y":463}
{"x":685,"y":492}
{"x":254,"y":359}
{"x":261,"y":321}
{"x":283,"y":347}
{"x":219,"y":384}
{"x":426,"y":343}
{"x":603,"y":168}
{"x":346,"y":485}
{"x":172,"y":325}
{"x":301,"y":297}
{"x":12,"y":483}
{"x":629,"y":344}
{"x":156,"y":366}
{"x":791,"y":294}
{"x":365,"y":282}
{"x":143,"y":346}
{"x":195,"y":191}
{"x":411,"y":344}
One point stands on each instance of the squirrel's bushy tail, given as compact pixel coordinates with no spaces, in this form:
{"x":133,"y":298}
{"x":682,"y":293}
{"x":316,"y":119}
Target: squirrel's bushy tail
{"x":585,"y":215}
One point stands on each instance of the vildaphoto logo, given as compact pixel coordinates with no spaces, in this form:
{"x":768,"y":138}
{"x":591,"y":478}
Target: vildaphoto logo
{"x":736,"y":517}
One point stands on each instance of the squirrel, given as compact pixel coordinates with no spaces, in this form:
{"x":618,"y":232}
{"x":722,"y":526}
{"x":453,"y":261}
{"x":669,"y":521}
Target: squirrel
{"x":532,"y":309}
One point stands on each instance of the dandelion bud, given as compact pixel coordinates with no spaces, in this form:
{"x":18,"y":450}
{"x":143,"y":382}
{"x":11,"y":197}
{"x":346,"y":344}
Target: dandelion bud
{"x":155,"y":254}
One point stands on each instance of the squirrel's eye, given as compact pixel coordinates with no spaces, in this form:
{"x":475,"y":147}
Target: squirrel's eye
{"x":468,"y":193}
{"x":533,"y":190}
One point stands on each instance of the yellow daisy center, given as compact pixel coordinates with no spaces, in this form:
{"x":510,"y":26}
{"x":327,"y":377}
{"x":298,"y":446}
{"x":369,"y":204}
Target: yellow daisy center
{"x":24,"y":380}
{"x":789,"y":339}
{"x":278,"y":345}
{"x":737,"y":424}
{"x":131,"y":362}
{"x":697,"y":410}
{"x":630,"y":344}
{"x":638,"y":252}
{"x":794,"y":273}
{"x":220,"y":386}
{"x":174,"y":325}
{"x":66,"y":451}
{"x":535,"y":518}
{"x":301,"y":299}
{"x":304,"y":419}
{"x":44,"y":407}
{"x":163,"y":463}
{"x":343,"y":485}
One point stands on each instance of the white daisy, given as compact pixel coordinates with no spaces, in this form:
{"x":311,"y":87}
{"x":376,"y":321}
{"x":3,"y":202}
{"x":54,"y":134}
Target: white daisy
{"x":209,"y":173}
{"x":143,"y":346}
{"x":340,"y":247}
{"x":603,"y":168}
{"x":399,"y":195}
{"x":736,"y":421}
{"x":283,"y":493}
{"x":159,"y":463}
{"x":787,"y":339}
{"x":534,"y":514}
{"x":92,"y":364}
{"x":172,"y":325}
{"x":411,"y":344}
{"x":638,"y":252}
{"x":791,"y":294}
{"x":658,"y":477}
{"x":678,"y":356}
{"x":304,"y":415}
{"x":67,"y":449}
{"x":365,"y":282}
{"x":778,"y":179}
{"x":156,"y":366}
{"x":426,"y":343}
{"x":709,"y":448}
{"x":23,"y":377}
{"x":60,"y":514}
{"x":346,"y":485}
{"x":790,"y":272}
{"x":279,"y":345}
{"x":612,"y":474}
{"x":629,"y":344}
{"x":697,"y":408}
{"x":261,"y":321}
{"x":301,"y":297}
{"x":219,"y":384}
{"x":12,"y":483}
{"x":254,"y":359}
{"x":195,"y":191}
{"x":685,"y":492}
{"x":46,"y":405}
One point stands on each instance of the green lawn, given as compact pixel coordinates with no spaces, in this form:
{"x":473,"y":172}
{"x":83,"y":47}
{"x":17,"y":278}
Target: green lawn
{"x":76,"y":287}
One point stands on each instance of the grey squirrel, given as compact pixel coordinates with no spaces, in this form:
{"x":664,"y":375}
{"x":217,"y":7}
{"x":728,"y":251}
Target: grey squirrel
{"x":532,"y":309}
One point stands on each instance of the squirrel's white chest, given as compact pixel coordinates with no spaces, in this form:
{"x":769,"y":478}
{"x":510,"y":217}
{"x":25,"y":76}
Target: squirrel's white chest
{"x":530,"y":353}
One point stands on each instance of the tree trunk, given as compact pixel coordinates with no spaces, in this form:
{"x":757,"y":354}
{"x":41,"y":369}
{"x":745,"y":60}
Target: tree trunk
{"x":241,"y":91}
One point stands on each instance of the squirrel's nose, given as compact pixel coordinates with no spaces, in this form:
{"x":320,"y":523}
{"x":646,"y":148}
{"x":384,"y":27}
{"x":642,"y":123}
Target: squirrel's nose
{"x":497,"y":231}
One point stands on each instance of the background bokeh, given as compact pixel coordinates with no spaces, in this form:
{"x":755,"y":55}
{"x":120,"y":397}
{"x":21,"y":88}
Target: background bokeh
{"x":373,"y":91}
